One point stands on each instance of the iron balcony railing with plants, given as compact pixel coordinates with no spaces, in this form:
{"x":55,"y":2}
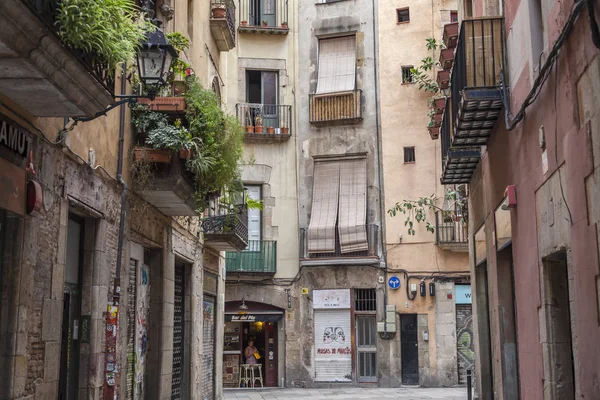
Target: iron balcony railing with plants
{"x":359,"y":257}
{"x":47,"y":11}
{"x":451,"y":233}
{"x":475,"y":81}
{"x":265,"y":121}
{"x":266,"y":16}
{"x":259,"y":257}
{"x":340,"y":107}
{"x":228,"y":231}
{"x":222,"y":23}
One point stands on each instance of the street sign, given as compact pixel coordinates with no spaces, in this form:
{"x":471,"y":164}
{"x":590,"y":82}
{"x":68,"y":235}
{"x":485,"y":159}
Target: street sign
{"x":394,"y":282}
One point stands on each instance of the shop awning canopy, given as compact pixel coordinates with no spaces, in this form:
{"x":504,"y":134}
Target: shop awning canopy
{"x":253,"y":313}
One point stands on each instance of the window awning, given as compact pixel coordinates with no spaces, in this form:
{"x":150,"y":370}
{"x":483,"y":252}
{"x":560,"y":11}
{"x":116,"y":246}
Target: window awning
{"x":321,"y":230}
{"x":352,"y":214}
{"x":337,"y":64}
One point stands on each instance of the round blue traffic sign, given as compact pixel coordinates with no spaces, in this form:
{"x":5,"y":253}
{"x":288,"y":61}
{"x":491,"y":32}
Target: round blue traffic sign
{"x":394,"y":282}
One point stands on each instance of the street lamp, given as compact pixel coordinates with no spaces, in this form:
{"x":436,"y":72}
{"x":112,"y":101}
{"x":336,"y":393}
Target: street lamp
{"x":154,"y":60}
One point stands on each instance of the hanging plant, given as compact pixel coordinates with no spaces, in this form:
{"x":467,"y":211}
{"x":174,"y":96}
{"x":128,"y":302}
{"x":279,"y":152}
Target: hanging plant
{"x":112,"y":29}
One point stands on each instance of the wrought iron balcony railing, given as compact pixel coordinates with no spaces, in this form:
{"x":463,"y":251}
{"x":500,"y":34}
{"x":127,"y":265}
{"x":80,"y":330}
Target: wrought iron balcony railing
{"x":265,"y":121}
{"x":259,"y":257}
{"x":264,"y":16}
{"x":47,"y":11}
{"x":222,"y":23}
{"x":227,"y":232}
{"x":451,"y":234}
{"x":341,"y":108}
{"x":359,"y":257}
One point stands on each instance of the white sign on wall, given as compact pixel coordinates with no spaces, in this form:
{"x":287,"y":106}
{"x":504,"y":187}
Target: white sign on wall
{"x":331,"y":299}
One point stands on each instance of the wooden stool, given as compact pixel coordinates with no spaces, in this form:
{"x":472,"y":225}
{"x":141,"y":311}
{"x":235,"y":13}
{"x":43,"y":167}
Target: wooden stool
{"x":245,"y":375}
{"x":254,"y":377}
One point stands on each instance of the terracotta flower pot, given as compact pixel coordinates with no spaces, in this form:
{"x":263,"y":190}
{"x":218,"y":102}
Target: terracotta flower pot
{"x":285,"y":131}
{"x":437,"y":120}
{"x":244,"y":23}
{"x":434,"y":132}
{"x":265,"y":24}
{"x":185,"y":154}
{"x":446,"y":58}
{"x":151,"y":155}
{"x":439,"y":105}
{"x":284,"y":25}
{"x":166,"y":104}
{"x":249,"y":129}
{"x":451,"y":35}
{"x":258,"y":129}
{"x":443,"y":79}
{"x":270,"y":130}
{"x":218,"y":12}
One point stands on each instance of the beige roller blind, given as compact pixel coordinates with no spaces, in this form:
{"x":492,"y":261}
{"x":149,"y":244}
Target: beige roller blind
{"x":321,"y":230}
{"x":352,"y":215}
{"x":337,"y":64}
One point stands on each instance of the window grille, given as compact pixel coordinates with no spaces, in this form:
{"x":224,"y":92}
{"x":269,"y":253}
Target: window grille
{"x":406,"y":74}
{"x":403,"y":15}
{"x":409,"y":155}
{"x":365,"y":300}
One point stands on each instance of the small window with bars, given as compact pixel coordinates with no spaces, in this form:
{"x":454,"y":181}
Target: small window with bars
{"x":406,"y":74}
{"x":453,"y":16}
{"x":365,"y":300}
{"x":402,"y":15}
{"x":409,"y":154}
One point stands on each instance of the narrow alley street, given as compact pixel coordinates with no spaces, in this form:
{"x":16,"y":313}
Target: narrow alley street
{"x":404,"y":393}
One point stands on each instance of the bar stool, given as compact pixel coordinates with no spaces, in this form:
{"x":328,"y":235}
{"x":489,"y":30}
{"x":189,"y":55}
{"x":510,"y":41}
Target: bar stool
{"x":245,"y":375}
{"x":255,"y":378}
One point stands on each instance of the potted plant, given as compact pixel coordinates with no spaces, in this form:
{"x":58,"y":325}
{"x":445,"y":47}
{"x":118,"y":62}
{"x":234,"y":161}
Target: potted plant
{"x":248,"y":118}
{"x":186,"y":154}
{"x":285,"y":130}
{"x":434,"y":132}
{"x":437,"y":120}
{"x":284,"y":25}
{"x":244,"y":23}
{"x":270,"y":130}
{"x":451,"y":35}
{"x":443,"y":79}
{"x":265,"y":24}
{"x":446,"y":58}
{"x":258,"y":124}
{"x":439,"y":105}
{"x":219,"y":11}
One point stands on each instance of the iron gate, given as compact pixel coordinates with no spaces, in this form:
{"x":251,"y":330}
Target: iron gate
{"x":178,"y":329}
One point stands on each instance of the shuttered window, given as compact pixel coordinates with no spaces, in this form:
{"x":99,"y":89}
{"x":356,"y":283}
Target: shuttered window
{"x":339,"y":200}
{"x":337,"y":64}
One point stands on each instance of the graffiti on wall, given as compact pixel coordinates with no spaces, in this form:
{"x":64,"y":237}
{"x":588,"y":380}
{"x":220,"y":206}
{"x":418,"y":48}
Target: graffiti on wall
{"x":464,"y":340}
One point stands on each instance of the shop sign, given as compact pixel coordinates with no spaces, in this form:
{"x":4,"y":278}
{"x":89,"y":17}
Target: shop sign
{"x":331,"y":299}
{"x":253,"y":317}
{"x":463,"y":294}
{"x":12,"y":187}
{"x":14,"y":137}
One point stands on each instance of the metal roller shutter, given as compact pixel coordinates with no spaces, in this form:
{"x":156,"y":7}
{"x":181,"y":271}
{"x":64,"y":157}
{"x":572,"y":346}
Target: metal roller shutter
{"x":333,"y":345}
{"x":208,"y":353}
{"x":131,"y":319}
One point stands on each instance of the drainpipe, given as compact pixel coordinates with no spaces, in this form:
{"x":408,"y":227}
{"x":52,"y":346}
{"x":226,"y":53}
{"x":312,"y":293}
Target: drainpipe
{"x":385,"y":335}
{"x":109,"y":388}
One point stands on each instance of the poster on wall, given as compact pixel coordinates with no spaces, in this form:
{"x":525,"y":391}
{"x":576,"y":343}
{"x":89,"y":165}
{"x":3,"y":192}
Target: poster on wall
{"x":331,"y":299}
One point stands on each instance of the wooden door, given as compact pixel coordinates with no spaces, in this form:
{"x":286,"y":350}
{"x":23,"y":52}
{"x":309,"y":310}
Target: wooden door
{"x":409,"y":349}
{"x":271,"y":354}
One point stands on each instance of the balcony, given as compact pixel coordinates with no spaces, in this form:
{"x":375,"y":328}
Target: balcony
{"x":458,"y":164}
{"x":53,"y":79}
{"x":451,"y":235}
{"x":475,"y":82}
{"x":266,"y":17}
{"x":269,"y":123}
{"x":222,"y":23}
{"x":259,"y":258}
{"x":335,"y":108}
{"x":167,"y":185}
{"x":227,"y":232}
{"x":367,"y":257}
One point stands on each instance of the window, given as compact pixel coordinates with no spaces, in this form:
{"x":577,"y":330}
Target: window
{"x":406,"y":74}
{"x":409,"y":154}
{"x":337,"y":64}
{"x":365,"y":300}
{"x":468,"y":8}
{"x":453,"y":16}
{"x":403,"y":15}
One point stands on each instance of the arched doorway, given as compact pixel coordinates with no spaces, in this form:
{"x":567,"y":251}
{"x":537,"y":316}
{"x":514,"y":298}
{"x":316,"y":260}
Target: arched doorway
{"x":259,"y":322}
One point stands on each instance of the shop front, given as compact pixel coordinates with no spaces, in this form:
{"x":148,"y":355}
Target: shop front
{"x":257,"y":323}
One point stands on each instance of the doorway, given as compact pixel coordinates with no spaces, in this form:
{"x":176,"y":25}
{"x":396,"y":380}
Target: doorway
{"x":409,"y":349}
{"x":557,"y":348}
{"x":177,"y":384}
{"x":262,"y":92}
{"x":70,"y":349}
{"x":264,"y":335}
{"x":483,"y":323}
{"x":263,"y":11}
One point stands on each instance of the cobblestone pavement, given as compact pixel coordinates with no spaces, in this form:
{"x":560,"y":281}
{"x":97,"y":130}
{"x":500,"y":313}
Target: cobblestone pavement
{"x":404,"y":393}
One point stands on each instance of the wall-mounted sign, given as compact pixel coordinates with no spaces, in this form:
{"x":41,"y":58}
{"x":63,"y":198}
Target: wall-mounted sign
{"x":304,"y":290}
{"x":463,"y":294}
{"x":328,"y":299}
{"x":253,"y":317}
{"x":394,"y":282}
{"x":14,"y":137}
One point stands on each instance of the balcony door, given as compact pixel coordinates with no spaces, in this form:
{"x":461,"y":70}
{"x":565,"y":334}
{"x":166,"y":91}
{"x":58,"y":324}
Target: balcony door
{"x":254,"y":220}
{"x":263,"y":11}
{"x":262,"y":89}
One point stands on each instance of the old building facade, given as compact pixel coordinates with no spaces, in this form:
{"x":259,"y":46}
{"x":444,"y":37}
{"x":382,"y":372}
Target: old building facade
{"x":522,"y":129}
{"x":106,"y":291}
